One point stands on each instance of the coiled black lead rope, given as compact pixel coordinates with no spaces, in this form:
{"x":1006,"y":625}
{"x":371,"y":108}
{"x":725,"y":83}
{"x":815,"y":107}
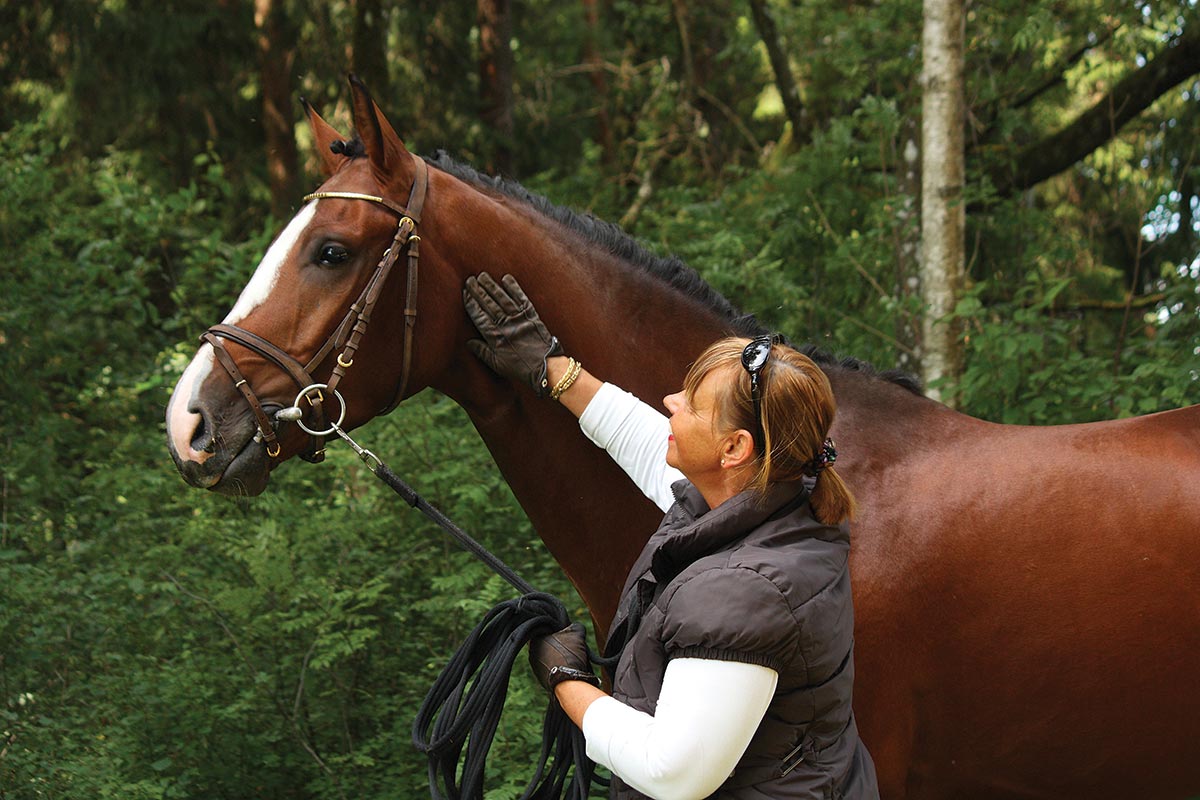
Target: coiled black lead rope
{"x":462,"y":710}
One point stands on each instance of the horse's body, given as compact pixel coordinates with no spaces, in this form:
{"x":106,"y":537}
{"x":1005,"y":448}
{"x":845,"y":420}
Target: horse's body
{"x":1027,"y":599}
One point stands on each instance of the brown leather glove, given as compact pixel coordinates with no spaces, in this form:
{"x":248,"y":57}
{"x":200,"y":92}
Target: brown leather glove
{"x":515,"y":343}
{"x":562,"y":656}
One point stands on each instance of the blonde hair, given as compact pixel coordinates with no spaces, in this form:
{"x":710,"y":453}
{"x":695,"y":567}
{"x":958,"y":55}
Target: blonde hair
{"x":797,"y":411}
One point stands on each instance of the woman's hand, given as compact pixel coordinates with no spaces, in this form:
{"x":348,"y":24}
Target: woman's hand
{"x":515,"y":343}
{"x":562,"y":656}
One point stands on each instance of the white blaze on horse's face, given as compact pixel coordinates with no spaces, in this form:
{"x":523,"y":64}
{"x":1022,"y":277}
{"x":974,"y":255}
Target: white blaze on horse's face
{"x":181,"y":420}
{"x":267,"y":275}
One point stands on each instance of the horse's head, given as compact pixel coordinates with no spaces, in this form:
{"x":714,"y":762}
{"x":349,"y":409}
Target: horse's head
{"x":303,"y":318}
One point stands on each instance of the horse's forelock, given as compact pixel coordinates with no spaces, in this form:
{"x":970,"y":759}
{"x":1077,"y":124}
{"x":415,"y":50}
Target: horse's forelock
{"x":350,"y":148}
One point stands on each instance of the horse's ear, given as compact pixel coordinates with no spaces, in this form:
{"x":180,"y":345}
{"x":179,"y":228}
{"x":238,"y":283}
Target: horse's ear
{"x":325,"y":136}
{"x":384,"y":148}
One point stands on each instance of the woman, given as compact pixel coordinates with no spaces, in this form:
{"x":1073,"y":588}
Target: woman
{"x":736,"y":669}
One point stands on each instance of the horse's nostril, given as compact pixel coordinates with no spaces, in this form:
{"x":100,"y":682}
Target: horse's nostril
{"x":202,"y":439}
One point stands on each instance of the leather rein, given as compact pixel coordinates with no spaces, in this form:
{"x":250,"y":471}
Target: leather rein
{"x":346,"y":336}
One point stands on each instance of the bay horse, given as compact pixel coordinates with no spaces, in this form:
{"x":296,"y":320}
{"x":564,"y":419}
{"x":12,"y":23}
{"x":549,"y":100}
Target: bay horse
{"x":1027,"y":598}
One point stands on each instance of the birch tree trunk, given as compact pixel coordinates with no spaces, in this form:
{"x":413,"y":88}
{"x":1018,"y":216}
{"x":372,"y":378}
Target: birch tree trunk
{"x":907,"y":282}
{"x":942,"y":212}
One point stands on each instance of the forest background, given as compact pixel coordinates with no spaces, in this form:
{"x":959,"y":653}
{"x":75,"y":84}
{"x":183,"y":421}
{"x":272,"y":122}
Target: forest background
{"x":158,"y":642}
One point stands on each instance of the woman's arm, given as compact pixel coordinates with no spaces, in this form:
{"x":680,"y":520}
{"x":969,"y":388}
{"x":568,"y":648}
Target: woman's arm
{"x":632,"y":432}
{"x":707,"y":713}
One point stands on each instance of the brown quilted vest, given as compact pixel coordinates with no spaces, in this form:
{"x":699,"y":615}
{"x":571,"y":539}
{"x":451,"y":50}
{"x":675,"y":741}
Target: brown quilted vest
{"x":763,"y":583}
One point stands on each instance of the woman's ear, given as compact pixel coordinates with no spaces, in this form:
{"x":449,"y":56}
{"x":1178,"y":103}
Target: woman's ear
{"x":738,"y":449}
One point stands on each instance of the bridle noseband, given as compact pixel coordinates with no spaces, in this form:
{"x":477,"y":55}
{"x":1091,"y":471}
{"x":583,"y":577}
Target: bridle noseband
{"x":346,"y":336}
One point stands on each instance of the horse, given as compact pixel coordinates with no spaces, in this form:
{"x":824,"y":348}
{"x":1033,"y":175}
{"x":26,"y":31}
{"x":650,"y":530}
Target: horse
{"x":1027,"y":599}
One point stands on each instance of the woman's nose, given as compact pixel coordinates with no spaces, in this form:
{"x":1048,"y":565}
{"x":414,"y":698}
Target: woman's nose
{"x":671,"y":402}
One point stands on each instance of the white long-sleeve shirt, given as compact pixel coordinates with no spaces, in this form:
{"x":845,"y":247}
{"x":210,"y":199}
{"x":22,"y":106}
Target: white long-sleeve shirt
{"x":707,"y":710}
{"x":635,"y":435}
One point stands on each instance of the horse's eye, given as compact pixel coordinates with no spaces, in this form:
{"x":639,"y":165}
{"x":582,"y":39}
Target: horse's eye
{"x":333,"y":254}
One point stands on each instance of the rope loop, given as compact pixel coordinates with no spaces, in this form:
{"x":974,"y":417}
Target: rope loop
{"x":463,"y":708}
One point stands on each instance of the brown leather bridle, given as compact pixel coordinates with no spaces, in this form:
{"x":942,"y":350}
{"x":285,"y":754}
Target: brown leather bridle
{"x":346,"y":336}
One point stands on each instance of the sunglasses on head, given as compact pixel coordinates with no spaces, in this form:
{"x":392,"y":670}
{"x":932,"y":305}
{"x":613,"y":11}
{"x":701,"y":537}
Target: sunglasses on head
{"x":754,"y":358}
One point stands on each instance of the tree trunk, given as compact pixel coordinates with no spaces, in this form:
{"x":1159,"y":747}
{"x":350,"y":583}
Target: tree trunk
{"x":495,"y":79}
{"x":907,"y":282}
{"x":370,"y":49}
{"x":784,"y":80}
{"x":596,"y":76}
{"x":942,"y":213}
{"x":276,"y":51}
{"x":703,"y":39}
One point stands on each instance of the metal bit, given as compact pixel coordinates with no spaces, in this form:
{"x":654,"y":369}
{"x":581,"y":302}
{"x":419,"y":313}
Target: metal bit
{"x":288,"y":414}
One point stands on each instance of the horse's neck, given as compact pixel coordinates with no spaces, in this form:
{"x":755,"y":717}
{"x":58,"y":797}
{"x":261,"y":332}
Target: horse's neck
{"x":632,"y":329}
{"x":625,"y":324}
{"x":627,"y":327}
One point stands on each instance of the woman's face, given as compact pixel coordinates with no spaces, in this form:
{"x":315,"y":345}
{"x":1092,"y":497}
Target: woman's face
{"x":694,"y":447}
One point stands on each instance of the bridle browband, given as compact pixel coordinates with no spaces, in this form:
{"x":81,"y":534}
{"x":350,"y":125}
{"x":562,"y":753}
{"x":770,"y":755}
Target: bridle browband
{"x":346,"y":336}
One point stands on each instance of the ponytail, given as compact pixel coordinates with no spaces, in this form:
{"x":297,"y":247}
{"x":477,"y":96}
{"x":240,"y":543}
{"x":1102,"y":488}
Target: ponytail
{"x":797,"y":407}
{"x":831,"y":499}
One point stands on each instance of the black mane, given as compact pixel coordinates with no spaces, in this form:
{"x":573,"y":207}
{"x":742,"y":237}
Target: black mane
{"x":669,"y":269}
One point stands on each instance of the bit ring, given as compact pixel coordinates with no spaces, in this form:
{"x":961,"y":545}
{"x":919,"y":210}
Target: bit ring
{"x":304,"y":393}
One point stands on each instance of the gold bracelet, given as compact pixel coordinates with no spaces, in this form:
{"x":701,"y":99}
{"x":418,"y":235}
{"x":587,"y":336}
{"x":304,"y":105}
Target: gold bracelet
{"x":571,"y":380}
{"x":557,"y":388}
{"x":568,"y":379}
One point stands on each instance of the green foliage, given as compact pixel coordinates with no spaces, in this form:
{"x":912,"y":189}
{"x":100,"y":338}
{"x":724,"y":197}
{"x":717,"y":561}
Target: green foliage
{"x":1031,"y":362}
